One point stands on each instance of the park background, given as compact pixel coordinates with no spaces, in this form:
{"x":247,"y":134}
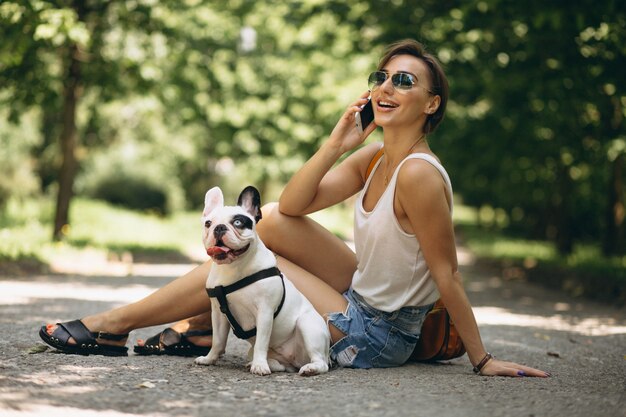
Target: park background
{"x":117,"y":116}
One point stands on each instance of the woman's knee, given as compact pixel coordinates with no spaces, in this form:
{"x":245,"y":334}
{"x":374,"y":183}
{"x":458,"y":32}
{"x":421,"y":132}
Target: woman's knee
{"x":270,"y":221}
{"x":274,"y":224}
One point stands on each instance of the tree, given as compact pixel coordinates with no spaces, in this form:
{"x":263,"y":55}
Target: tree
{"x":536,"y":117}
{"x":266,"y":97}
{"x":66,"y":50}
{"x":46,"y":47}
{"x":264,"y":103}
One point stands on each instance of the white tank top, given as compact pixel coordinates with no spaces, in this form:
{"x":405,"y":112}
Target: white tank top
{"x":391,"y":271}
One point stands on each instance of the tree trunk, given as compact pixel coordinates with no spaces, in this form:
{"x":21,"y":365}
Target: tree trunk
{"x":67,"y":139}
{"x":614,"y":239}
{"x":47,"y":153}
{"x":564,"y":238}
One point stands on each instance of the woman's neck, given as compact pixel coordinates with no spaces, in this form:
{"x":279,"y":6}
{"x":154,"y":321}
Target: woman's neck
{"x":400,"y":143}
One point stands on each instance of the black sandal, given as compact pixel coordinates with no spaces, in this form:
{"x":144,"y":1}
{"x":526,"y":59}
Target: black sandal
{"x":86,"y":343}
{"x":170,"y":342}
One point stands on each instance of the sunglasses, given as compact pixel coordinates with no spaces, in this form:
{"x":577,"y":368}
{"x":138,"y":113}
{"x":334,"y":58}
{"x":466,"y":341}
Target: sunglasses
{"x":401,"y":81}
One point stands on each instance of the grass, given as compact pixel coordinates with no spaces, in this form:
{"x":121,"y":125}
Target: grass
{"x":101,"y":225}
{"x":26,"y":228}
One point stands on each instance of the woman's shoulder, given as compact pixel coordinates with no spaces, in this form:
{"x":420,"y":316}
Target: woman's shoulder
{"x":425,"y":156}
{"x":421,"y":170}
{"x":423,"y":181}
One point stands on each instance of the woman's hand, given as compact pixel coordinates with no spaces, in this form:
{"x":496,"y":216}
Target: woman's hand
{"x":346,"y":136}
{"x":496,"y":367}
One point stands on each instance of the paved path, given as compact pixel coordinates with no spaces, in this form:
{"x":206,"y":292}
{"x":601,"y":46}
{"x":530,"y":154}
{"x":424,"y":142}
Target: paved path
{"x":581,"y":343}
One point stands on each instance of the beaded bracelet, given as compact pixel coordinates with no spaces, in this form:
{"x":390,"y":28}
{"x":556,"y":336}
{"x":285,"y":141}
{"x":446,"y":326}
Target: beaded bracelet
{"x":482,"y":363}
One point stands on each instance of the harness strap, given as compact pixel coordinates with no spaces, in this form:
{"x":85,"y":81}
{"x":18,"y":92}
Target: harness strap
{"x":220,"y":292}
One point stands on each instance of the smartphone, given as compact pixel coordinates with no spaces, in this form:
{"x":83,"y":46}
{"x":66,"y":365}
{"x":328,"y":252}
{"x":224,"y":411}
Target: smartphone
{"x":365,"y":116}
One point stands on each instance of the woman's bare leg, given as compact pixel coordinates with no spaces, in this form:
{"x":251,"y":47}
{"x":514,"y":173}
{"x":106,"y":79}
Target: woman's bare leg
{"x":318,"y":263}
{"x":181,"y":299}
{"x":307,"y":244}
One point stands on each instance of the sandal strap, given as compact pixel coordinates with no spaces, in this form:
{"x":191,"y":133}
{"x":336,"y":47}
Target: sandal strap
{"x":75,"y":329}
{"x":192,"y":333}
{"x":153,"y":340}
{"x":169,"y":337}
{"x":82,"y":334}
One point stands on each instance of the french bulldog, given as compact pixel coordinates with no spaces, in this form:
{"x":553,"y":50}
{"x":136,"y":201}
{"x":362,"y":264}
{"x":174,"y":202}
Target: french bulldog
{"x":290,"y":334}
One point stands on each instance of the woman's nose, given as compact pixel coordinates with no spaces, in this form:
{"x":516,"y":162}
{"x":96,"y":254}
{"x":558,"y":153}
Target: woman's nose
{"x":387,"y":86}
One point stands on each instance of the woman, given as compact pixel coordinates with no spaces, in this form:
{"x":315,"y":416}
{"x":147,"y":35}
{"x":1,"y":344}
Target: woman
{"x":405,"y":253}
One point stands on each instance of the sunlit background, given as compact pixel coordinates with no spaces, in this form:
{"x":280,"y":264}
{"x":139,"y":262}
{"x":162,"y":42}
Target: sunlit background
{"x":144,"y":105}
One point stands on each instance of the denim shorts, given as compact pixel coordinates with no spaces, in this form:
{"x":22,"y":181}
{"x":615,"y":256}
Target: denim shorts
{"x":375,"y":338}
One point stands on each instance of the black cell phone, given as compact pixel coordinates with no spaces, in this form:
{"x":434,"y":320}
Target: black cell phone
{"x":365,"y":116}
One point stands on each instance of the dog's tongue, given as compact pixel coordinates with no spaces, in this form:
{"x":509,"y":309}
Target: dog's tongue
{"x":217,"y":250}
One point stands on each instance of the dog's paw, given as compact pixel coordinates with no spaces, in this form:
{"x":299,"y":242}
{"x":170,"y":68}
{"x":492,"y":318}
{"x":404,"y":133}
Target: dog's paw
{"x":313,"y":368}
{"x":260,"y":368}
{"x":205,"y":360}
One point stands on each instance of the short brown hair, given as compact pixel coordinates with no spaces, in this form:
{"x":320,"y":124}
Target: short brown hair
{"x":438,"y":77}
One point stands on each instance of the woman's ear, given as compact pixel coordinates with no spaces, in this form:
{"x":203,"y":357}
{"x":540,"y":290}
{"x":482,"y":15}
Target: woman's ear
{"x":433,"y":105}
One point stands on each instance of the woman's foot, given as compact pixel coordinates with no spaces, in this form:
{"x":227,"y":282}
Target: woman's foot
{"x":191,"y":337}
{"x":74,"y":337}
{"x":96,"y":324}
{"x":199,"y":323}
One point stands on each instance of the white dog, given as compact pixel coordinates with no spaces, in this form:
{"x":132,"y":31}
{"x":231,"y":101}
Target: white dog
{"x":248,"y":292}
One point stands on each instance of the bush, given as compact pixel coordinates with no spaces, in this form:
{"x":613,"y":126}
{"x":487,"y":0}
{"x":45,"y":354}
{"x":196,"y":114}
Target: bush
{"x":141,"y":179}
{"x":134,"y":193}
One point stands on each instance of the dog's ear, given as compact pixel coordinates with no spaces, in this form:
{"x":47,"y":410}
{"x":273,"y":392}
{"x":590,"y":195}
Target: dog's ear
{"x":212,"y":200}
{"x":250,"y":200}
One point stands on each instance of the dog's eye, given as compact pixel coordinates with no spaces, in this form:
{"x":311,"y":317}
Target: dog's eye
{"x":242,"y":222}
{"x":207,"y":223}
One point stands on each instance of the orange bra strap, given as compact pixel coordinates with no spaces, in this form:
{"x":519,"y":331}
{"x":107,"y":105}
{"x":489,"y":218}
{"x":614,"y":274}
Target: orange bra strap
{"x":375,"y":159}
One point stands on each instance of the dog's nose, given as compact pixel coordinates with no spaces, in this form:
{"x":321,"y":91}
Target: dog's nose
{"x":219,"y":231}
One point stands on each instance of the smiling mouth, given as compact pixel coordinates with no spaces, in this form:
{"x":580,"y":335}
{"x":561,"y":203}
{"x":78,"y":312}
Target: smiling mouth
{"x":386,"y":104}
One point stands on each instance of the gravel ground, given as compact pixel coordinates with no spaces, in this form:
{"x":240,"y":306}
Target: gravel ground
{"x":581,"y":343}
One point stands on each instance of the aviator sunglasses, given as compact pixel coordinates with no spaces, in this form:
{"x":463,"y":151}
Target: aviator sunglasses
{"x":401,"y":81}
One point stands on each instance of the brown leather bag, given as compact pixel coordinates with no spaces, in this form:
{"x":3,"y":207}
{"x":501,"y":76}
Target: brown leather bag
{"x":439,"y":340}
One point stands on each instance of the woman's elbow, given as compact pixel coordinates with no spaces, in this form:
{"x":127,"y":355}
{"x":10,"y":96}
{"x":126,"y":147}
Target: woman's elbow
{"x":285,"y":209}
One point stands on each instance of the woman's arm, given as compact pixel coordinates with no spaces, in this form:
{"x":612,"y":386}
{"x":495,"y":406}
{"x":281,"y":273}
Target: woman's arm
{"x":421,"y":193}
{"x":316,"y":186}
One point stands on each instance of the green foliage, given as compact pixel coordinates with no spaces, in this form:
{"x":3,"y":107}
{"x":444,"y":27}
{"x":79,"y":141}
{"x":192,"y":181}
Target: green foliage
{"x":255,"y":83}
{"x":269,"y":93}
{"x":139,"y":168}
{"x":536,"y":118}
{"x":228,"y":93}
{"x":17,"y":178}
{"x":134,"y":193}
{"x":21,"y":223}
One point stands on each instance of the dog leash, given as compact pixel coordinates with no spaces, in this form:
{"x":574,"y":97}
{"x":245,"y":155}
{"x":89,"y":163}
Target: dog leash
{"x":220,"y":292}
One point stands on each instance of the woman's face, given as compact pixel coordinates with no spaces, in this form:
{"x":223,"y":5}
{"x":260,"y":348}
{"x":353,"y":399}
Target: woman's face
{"x":399,"y":108}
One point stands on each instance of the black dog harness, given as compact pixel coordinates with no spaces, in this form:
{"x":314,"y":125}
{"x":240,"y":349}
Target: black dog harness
{"x":220,"y":292}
